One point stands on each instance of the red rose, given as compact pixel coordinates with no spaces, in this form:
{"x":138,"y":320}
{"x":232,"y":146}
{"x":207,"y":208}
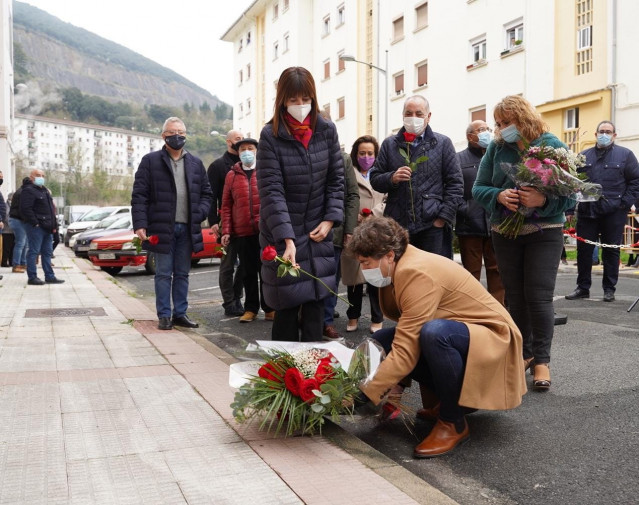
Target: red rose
{"x":293,"y":379}
{"x":269,"y":253}
{"x":409,"y":137}
{"x":154,"y":240}
{"x":324,"y":372}
{"x":366,"y":212}
{"x":306,"y":390}
{"x":218,"y":251}
{"x":268,"y":371}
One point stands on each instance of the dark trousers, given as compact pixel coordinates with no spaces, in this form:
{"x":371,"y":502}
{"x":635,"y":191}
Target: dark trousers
{"x":308,"y":317}
{"x":610,"y":227}
{"x":434,"y":240}
{"x":355,"y":295}
{"x":248,"y":249}
{"x":443,"y":345}
{"x":330,"y":302}
{"x":528,"y":265}
{"x":230,"y":286}
{"x":476,"y":250}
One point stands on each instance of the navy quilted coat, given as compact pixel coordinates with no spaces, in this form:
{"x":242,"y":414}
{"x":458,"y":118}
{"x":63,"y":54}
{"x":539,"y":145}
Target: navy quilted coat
{"x":437,"y":183}
{"x":299,"y":189}
{"x":154,"y":197}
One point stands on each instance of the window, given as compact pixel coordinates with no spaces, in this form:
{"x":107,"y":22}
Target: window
{"x":285,"y":6}
{"x":341,"y":15}
{"x":326,"y":28}
{"x":340,"y":108}
{"x":248,"y":38}
{"x":341,"y":65}
{"x":478,"y":114}
{"x":239,"y":49}
{"x":398,"y":29}
{"x":248,"y":105}
{"x":514,"y":35}
{"x":286,"y":45}
{"x":422,"y":74}
{"x":248,"y":71}
{"x":571,"y":118}
{"x":327,"y":69}
{"x":276,"y":49}
{"x":327,"y":110}
{"x":584,"y":21}
{"x":241,"y":110}
{"x":276,"y":11}
{"x":479,"y":51}
{"x":421,"y":16}
{"x":399,"y":84}
{"x":241,"y":77}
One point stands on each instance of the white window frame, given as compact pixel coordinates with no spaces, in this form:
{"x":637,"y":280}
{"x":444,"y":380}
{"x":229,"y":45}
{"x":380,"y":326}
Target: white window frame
{"x":396,"y":37}
{"x":341,"y":15}
{"x":326,"y":26}
{"x":584,"y":38}
{"x":517,"y":27}
{"x":478,"y":49}
{"x":276,"y":49}
{"x":571,"y":118}
{"x":286,"y":42}
{"x":417,"y":26}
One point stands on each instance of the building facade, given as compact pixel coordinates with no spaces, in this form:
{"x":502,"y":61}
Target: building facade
{"x":6,"y":93}
{"x":573,"y":59}
{"x":58,"y":146}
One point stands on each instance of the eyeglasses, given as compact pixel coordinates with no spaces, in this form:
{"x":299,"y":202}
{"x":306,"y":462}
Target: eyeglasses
{"x":483,"y":129}
{"x":606,"y":132}
{"x":175,"y":132}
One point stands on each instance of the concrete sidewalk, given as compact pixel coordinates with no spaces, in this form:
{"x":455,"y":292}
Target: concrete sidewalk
{"x":98,"y":406}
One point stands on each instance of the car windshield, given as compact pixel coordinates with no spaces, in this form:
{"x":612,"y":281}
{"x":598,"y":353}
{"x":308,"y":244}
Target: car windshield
{"x":97,"y":214}
{"x":121,"y":223}
{"x":107,"y":222}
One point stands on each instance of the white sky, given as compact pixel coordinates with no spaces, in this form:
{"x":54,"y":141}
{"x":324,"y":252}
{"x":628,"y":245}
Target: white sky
{"x":183,"y":35}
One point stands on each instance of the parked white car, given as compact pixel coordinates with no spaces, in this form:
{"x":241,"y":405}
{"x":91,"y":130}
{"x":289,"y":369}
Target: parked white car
{"x":91,"y":218}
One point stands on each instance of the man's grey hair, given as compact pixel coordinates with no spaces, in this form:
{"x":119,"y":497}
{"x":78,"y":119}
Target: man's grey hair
{"x":172,"y":120}
{"x":614,"y":130}
{"x":415,"y":98}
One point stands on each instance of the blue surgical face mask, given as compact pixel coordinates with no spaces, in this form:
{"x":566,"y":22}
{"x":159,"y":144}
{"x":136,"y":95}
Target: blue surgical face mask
{"x":38,"y":181}
{"x":510,"y":134}
{"x":604,"y":140}
{"x":484,"y":138}
{"x":247,"y":157}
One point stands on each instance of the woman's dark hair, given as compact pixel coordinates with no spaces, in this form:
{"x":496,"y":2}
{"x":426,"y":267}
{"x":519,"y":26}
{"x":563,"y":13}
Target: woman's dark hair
{"x":294,"y":82}
{"x":376,"y":236}
{"x":363,"y":140}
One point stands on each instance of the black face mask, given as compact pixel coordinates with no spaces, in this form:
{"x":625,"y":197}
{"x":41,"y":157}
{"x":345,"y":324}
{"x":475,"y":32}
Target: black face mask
{"x":175,"y":141}
{"x":1,"y":181}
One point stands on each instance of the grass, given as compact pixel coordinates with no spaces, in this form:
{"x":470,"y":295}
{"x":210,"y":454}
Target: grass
{"x":571,"y":255}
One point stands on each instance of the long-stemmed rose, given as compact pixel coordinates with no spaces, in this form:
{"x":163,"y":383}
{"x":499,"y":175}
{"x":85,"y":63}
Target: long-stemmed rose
{"x":137,"y":242}
{"x":410,"y":137}
{"x":287,"y":267}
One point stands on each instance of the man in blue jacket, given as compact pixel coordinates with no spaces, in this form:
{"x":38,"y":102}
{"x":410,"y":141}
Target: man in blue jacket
{"x":171,"y":197}
{"x":419,"y":171}
{"x":617,"y":170}
{"x":38,"y":214}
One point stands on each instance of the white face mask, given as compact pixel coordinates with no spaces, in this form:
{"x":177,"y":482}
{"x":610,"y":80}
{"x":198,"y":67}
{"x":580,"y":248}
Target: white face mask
{"x":414,"y":124}
{"x":299,"y":112}
{"x":375,"y":277}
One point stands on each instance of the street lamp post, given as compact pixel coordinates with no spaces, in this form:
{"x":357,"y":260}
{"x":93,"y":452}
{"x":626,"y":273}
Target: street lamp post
{"x":384,"y":71}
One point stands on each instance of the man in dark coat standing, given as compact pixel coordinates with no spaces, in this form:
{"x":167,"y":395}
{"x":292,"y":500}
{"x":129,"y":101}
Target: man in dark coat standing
{"x":171,"y":197}
{"x":38,"y":214}
{"x":617,"y":170}
{"x":230,"y":287}
{"x":472,"y":224}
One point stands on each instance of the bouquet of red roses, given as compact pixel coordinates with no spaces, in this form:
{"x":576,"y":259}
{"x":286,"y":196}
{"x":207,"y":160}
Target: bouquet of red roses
{"x":295,"y":389}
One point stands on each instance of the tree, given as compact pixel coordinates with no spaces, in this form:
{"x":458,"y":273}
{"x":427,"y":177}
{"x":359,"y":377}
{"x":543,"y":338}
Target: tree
{"x":205,"y":108}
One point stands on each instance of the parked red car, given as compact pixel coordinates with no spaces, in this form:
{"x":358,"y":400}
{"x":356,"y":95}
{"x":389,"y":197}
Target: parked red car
{"x":115,"y":252}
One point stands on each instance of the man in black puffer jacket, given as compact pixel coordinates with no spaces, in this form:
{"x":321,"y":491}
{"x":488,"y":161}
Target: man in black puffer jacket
{"x":38,"y":214}
{"x":171,"y":197}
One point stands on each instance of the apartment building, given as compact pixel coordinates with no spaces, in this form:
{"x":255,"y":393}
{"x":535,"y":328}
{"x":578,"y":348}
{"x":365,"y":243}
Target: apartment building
{"x":6,"y":93}
{"x":59,"y":146}
{"x":571,"y":58}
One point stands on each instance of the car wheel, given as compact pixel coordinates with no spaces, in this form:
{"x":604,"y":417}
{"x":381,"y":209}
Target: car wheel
{"x":111,"y":270}
{"x":195,"y":261}
{"x":150,"y":263}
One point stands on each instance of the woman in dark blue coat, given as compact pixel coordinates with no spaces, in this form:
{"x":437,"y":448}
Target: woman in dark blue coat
{"x":300,"y":177}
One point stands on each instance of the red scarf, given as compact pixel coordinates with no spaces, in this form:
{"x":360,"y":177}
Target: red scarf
{"x":300,"y":131}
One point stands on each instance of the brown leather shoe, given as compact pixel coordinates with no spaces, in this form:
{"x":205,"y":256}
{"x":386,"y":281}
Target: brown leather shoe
{"x":443,"y":438}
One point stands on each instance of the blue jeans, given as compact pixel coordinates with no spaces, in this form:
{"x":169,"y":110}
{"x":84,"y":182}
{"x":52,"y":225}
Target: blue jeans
{"x":172,"y":274}
{"x":40,"y":242}
{"x":20,"y":242}
{"x":443,"y":346}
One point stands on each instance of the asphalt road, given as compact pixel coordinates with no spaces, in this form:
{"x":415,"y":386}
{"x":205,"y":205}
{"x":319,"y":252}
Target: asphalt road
{"x":576,"y":444}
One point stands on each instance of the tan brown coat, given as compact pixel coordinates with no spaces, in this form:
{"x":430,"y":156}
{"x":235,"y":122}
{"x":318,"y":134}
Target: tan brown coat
{"x":368,"y":199}
{"x":428,"y":286}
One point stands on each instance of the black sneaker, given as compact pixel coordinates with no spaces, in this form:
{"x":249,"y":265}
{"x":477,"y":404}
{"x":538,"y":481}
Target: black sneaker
{"x":35,"y":282}
{"x":54,"y":280}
